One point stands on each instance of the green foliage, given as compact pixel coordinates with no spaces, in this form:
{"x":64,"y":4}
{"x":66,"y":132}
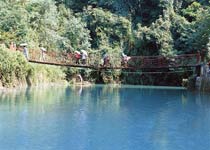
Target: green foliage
{"x":192,"y":11}
{"x":195,"y":36}
{"x":106,"y":29}
{"x":13,"y":21}
{"x":73,"y":30}
{"x":181,"y":30}
{"x":200,"y":39}
{"x":13,"y":67}
{"x":45,"y":74}
{"x":42,"y":23}
{"x":156,"y":40}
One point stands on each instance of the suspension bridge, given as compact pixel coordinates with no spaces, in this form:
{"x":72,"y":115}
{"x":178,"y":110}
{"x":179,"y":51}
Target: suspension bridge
{"x":153,"y":64}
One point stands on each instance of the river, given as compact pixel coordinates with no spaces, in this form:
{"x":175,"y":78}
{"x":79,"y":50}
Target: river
{"x":104,"y":118}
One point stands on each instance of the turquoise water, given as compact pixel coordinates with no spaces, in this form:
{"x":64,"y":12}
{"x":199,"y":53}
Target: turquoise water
{"x":104,"y":118}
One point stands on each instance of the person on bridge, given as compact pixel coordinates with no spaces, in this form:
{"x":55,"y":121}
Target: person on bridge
{"x":43,"y":53}
{"x":84,"y":56}
{"x":106,"y":59}
{"x":25,"y":50}
{"x":125,"y":59}
{"x":77,"y":56}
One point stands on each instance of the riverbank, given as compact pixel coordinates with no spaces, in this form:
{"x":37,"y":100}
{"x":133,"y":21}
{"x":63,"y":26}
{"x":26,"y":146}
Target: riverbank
{"x":16,"y":71}
{"x":40,"y":85}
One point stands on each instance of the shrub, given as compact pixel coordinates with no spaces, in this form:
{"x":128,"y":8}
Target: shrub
{"x":13,"y":67}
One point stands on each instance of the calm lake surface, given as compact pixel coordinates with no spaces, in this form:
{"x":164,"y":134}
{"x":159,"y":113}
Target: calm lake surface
{"x":104,"y":118}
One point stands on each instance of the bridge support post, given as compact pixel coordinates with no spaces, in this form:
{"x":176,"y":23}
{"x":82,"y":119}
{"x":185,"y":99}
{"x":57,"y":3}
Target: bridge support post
{"x":198,"y":70}
{"x":198,"y":58}
{"x":202,"y":76}
{"x":198,"y":81}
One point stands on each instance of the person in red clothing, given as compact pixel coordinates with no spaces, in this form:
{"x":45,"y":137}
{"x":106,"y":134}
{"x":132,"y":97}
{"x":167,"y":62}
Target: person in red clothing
{"x":77,"y":56}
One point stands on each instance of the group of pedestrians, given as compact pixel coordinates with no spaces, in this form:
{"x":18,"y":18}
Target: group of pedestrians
{"x":124,"y":59}
{"x":80,"y":57}
{"x":26,"y":52}
{"x":83,"y":55}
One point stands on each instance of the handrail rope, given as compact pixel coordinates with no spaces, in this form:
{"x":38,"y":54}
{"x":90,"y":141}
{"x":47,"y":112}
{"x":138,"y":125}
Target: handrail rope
{"x":176,"y":56}
{"x":149,"y":72}
{"x":150,"y":57}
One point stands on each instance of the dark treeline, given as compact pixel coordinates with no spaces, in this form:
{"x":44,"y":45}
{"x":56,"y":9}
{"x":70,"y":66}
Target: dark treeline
{"x":135,"y":27}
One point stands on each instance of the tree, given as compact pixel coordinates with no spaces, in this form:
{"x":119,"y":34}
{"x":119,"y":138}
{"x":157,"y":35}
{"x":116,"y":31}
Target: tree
{"x":73,"y":30}
{"x":192,"y":11}
{"x":13,"y":21}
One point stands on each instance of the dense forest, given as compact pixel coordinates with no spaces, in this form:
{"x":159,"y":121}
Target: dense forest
{"x":135,"y":27}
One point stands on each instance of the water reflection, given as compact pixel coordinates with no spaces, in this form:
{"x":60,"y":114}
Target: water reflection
{"x":104,"y":117}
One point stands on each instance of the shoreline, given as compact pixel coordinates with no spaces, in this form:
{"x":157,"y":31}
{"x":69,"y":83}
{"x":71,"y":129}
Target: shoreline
{"x":25,"y":86}
{"x":85,"y":84}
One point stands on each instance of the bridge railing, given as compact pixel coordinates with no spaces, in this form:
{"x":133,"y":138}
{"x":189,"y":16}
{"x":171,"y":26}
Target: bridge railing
{"x":115,"y":60}
{"x":148,"y":62}
{"x":161,"y":61}
{"x":51,"y":56}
